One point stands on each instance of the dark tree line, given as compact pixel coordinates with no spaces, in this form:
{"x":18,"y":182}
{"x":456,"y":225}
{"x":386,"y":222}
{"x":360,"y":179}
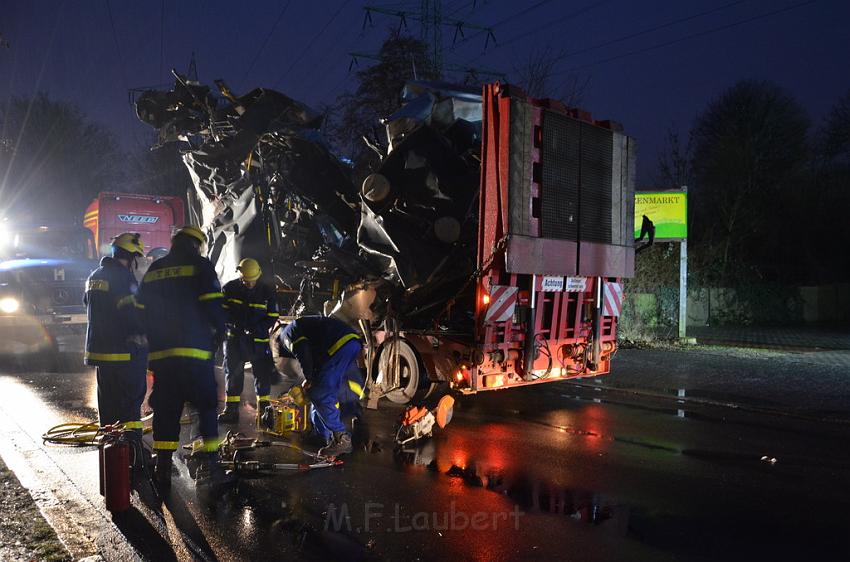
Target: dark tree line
{"x":768,"y":192}
{"x":54,"y":160}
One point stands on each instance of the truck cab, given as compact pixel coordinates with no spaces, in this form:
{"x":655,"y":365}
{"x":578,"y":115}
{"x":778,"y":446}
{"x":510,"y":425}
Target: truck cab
{"x":43,"y":271}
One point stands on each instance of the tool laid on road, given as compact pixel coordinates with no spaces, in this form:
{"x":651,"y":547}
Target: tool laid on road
{"x":236,"y":446}
{"x":417,"y":422}
{"x":83,"y":433}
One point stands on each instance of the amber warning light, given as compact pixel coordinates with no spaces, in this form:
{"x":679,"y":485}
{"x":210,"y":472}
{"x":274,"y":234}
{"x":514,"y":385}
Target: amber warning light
{"x":485,"y":299}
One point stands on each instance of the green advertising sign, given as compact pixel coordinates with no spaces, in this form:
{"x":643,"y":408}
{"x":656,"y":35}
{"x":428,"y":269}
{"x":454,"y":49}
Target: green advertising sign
{"x":668,"y":210}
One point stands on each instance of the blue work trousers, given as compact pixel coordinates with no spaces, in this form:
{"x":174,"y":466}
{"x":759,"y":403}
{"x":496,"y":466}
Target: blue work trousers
{"x":177,"y":381}
{"x":238,"y":351}
{"x":120,"y":392}
{"x":350,"y":393}
{"x":327,"y":383}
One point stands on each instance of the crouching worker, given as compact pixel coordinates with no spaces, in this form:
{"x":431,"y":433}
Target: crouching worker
{"x":327,"y":350}
{"x":182,"y":303}
{"x":251,"y":310}
{"x":114,"y":341}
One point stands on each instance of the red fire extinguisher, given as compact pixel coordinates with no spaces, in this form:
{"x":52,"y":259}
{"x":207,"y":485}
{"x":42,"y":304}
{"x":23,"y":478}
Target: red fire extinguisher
{"x":115,"y":471}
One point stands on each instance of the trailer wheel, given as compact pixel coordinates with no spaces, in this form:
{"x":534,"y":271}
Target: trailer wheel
{"x":410,"y":371}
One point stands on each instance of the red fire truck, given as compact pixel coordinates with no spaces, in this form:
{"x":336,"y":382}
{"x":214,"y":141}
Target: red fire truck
{"x":555,"y":239}
{"x":153,"y":216}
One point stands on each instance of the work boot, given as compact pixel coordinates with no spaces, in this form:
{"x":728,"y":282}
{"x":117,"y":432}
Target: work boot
{"x":230,"y":413}
{"x":340,"y":445}
{"x":162,"y":471}
{"x":211,"y":474}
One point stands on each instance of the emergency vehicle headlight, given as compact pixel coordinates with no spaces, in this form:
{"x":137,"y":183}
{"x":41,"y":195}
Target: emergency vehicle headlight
{"x":9,"y":305}
{"x":6,"y":237}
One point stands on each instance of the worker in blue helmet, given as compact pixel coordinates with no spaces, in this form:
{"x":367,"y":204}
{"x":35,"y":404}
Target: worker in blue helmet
{"x":327,"y":350}
{"x":115,"y":344}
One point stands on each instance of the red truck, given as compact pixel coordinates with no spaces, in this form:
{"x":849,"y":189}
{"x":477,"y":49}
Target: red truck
{"x":43,"y":269}
{"x":555,"y":238}
{"x":153,"y":216}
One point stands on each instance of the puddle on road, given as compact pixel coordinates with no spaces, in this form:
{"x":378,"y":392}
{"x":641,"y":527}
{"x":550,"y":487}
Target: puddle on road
{"x":703,"y":526}
{"x":530,"y":494}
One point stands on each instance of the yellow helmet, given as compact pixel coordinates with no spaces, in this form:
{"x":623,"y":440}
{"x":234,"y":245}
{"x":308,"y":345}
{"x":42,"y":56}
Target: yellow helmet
{"x":193,"y":232}
{"x":130,"y":242}
{"x":250,"y":269}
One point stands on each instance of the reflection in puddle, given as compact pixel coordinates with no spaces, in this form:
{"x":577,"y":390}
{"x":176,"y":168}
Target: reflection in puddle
{"x":452,"y":459}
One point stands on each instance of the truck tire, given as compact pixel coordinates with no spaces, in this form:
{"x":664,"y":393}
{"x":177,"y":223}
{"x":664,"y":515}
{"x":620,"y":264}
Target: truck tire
{"x":410,"y":366}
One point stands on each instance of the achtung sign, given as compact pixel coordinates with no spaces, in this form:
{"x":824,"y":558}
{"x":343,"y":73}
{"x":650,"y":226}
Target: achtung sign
{"x":668,"y":211}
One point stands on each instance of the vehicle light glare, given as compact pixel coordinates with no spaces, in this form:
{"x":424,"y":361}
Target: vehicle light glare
{"x":485,"y":299}
{"x":9,"y":305}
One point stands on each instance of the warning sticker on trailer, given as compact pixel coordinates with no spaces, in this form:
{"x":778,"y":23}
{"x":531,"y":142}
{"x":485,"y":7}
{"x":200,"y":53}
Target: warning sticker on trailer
{"x":552,"y":284}
{"x":612,"y":299}
{"x":576,"y":284}
{"x":502,"y":303}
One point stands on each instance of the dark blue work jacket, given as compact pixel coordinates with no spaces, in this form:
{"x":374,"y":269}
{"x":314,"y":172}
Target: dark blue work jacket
{"x":112,"y":314}
{"x":250,"y":310}
{"x":181,"y":299}
{"x":313,"y":340}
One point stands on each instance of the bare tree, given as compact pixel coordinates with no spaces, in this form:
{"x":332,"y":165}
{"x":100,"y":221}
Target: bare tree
{"x":750,"y":146}
{"x":540,"y":78}
{"x":675,"y":166}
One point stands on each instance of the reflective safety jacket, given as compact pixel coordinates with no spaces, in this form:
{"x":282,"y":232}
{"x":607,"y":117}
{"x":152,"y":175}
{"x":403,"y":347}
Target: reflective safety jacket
{"x":313,"y":340}
{"x":250,"y":310}
{"x":112,"y":314}
{"x":181,"y":301}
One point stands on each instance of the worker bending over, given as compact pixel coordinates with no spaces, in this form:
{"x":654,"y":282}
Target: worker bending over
{"x":182,"y":302}
{"x":327,"y":349}
{"x":251,"y":311}
{"x":114,"y":341}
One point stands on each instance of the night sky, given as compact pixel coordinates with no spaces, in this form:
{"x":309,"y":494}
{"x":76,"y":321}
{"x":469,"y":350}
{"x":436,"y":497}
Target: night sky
{"x":643,"y":72}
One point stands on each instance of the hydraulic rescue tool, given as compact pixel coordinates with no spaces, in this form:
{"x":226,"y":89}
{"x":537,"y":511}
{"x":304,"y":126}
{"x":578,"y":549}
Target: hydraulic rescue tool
{"x":236,"y":446}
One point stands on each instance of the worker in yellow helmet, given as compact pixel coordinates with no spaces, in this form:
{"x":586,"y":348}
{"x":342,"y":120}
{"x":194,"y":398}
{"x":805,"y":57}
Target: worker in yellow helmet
{"x":114,"y":341}
{"x":251,"y":308}
{"x":182,"y":303}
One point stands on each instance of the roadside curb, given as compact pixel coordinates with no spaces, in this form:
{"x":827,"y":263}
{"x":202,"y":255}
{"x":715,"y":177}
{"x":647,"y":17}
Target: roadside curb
{"x":763,"y":345}
{"x":84,"y":529}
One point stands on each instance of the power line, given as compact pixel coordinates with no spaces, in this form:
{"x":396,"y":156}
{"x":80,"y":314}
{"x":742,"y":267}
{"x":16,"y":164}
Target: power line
{"x":313,"y":40}
{"x":266,"y":41}
{"x":616,"y":40}
{"x":686,"y":37}
{"x":538,"y":29}
{"x":117,"y":46}
{"x":161,"y":36}
{"x":505,"y":20}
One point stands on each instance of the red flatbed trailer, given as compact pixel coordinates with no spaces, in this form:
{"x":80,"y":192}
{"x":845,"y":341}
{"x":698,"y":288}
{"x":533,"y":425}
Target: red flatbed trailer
{"x":555,"y":239}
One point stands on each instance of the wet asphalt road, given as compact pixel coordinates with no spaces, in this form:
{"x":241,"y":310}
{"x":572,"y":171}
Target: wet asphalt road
{"x":556,"y":471}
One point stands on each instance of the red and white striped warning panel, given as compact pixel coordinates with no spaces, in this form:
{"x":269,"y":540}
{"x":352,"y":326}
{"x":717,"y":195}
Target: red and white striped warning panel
{"x":612,"y":301}
{"x":502,"y":303}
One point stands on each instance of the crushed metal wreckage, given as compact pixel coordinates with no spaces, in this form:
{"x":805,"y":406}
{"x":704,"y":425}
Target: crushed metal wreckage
{"x":267,"y":186}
